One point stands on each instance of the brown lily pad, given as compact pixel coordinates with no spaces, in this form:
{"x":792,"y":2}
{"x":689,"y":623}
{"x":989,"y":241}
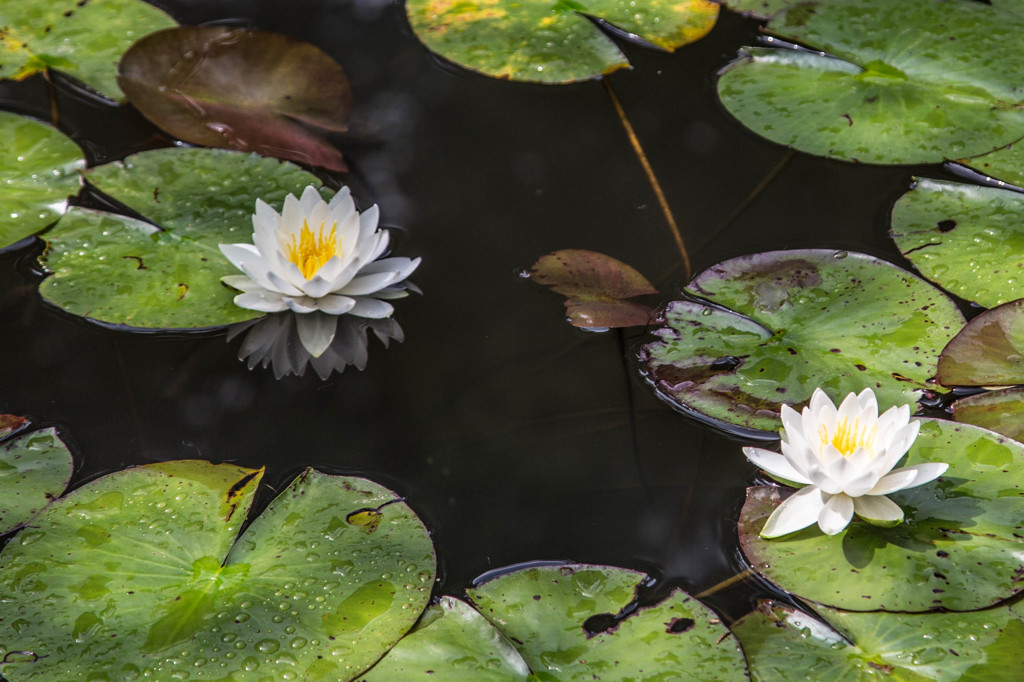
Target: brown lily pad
{"x":240,"y":89}
{"x":595,"y":286}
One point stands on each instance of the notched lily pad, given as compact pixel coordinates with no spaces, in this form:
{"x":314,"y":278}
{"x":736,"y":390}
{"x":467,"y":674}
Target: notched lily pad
{"x":568,"y":622}
{"x":777,"y":325}
{"x":944,"y":86}
{"x":781,"y":642}
{"x":967,"y":239}
{"x":123,"y":271}
{"x":989,"y":351}
{"x":34,"y":469}
{"x":139,"y":574}
{"x":240,"y":89}
{"x":83,"y":39}
{"x":958,"y":547}
{"x":39,"y":167}
{"x":595,"y":286}
{"x":552,"y":41}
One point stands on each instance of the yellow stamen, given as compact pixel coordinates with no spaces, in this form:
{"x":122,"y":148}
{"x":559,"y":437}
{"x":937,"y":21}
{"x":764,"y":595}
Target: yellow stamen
{"x":311,"y":251}
{"x":848,"y":437}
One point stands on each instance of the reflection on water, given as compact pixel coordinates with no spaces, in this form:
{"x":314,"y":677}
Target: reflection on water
{"x":515,"y":436}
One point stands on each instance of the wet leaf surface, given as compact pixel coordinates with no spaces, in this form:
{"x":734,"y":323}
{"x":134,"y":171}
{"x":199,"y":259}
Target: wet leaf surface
{"x":595,"y":286}
{"x":81,"y":39}
{"x":784,"y":644}
{"x":452,"y":642}
{"x":944,"y":86}
{"x":958,"y":547}
{"x":1000,"y":411}
{"x":139,"y":575}
{"x":967,"y":239}
{"x":552,"y":41}
{"x":780,"y":324}
{"x":989,"y":351}
{"x":38,"y":167}
{"x":34,"y":468}
{"x":761,"y":9}
{"x":123,"y":271}
{"x":240,"y":89}
{"x":1005,"y":163}
{"x":548,"y":613}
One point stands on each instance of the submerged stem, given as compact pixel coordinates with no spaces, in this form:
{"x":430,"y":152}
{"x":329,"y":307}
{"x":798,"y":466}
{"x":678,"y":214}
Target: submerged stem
{"x":651,"y":178}
{"x":728,"y":582}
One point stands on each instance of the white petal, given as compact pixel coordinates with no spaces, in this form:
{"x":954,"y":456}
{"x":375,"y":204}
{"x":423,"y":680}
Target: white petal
{"x":893,"y":481}
{"x":264,"y":301}
{"x":878,"y":510}
{"x":849,"y":410}
{"x":371,"y":307}
{"x":316,"y":331}
{"x":368,"y":220}
{"x":367,"y":284}
{"x":836,"y":515}
{"x":279,"y":283}
{"x":241,"y":282}
{"x":318,"y":286}
{"x":922,"y":473}
{"x":799,"y":510}
{"x":301,"y":304}
{"x":792,"y":424}
{"x":335,"y":305}
{"x":341,"y":203}
{"x":310,"y":200}
{"x":868,"y":403}
{"x":392,"y":293}
{"x":775,"y":464}
{"x":901,"y":442}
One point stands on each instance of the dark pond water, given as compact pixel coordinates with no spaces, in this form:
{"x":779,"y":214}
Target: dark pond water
{"x":514,"y":435}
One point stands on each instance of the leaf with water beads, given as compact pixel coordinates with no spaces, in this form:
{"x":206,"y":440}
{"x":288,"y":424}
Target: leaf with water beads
{"x":34,"y":469}
{"x":142,"y":573}
{"x":783,"y":644}
{"x":958,"y":547}
{"x":38,"y":165}
{"x":553,"y":42}
{"x":82,"y":38}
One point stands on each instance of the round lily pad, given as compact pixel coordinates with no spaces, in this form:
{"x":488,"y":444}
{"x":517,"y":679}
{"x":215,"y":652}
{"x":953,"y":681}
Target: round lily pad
{"x":451,"y":643}
{"x":1005,"y":164}
{"x":958,"y":547}
{"x":762,"y":9}
{"x":552,"y":41}
{"x":570,"y":622}
{"x":777,"y":325}
{"x":989,"y":351}
{"x":38,"y":165}
{"x":943,"y":86}
{"x":34,"y":469}
{"x":123,"y":271}
{"x":220,"y":86}
{"x":83,"y":39}
{"x":1000,"y":411}
{"x":784,"y":644}
{"x":967,"y":239}
{"x":139,"y":575}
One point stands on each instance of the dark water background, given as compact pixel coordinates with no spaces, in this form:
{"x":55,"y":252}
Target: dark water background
{"x":515,"y":436}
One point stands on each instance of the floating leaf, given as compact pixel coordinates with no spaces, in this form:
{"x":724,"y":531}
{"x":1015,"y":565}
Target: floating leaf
{"x":567,"y":623}
{"x":782,"y":644}
{"x":958,"y":547}
{"x":452,"y":642}
{"x":138,"y":575}
{"x":81,"y":38}
{"x":595,"y":285}
{"x":783,"y":323}
{"x":552,"y":41}
{"x":967,"y":239}
{"x":240,"y":89}
{"x":34,"y":469}
{"x":762,"y":9}
{"x":9,"y":423}
{"x":999,"y":411}
{"x":38,"y":169}
{"x":1005,"y":163}
{"x":989,"y":351}
{"x":944,"y":86}
{"x":123,"y":271}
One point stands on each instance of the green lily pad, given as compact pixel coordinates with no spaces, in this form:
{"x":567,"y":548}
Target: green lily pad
{"x":122,"y":271}
{"x":451,"y":643}
{"x":596,"y":287}
{"x":783,"y":644}
{"x":240,"y":89}
{"x":549,"y":613}
{"x":81,"y":39}
{"x":34,"y":469}
{"x":958,"y":547}
{"x":39,"y":169}
{"x":780,"y":324}
{"x":1005,"y":164}
{"x":989,"y":351}
{"x":552,"y":41}
{"x":762,"y":9}
{"x":999,"y":411}
{"x":139,"y":575}
{"x":944,"y":86}
{"x":967,"y":239}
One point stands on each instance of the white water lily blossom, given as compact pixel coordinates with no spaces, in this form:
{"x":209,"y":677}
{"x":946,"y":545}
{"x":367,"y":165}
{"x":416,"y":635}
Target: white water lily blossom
{"x":318,"y":257}
{"x":844,"y":458}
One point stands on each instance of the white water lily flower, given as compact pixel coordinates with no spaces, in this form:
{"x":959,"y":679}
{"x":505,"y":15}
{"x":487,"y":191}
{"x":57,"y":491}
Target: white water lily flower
{"x":845,"y":460}
{"x":317,"y":257}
